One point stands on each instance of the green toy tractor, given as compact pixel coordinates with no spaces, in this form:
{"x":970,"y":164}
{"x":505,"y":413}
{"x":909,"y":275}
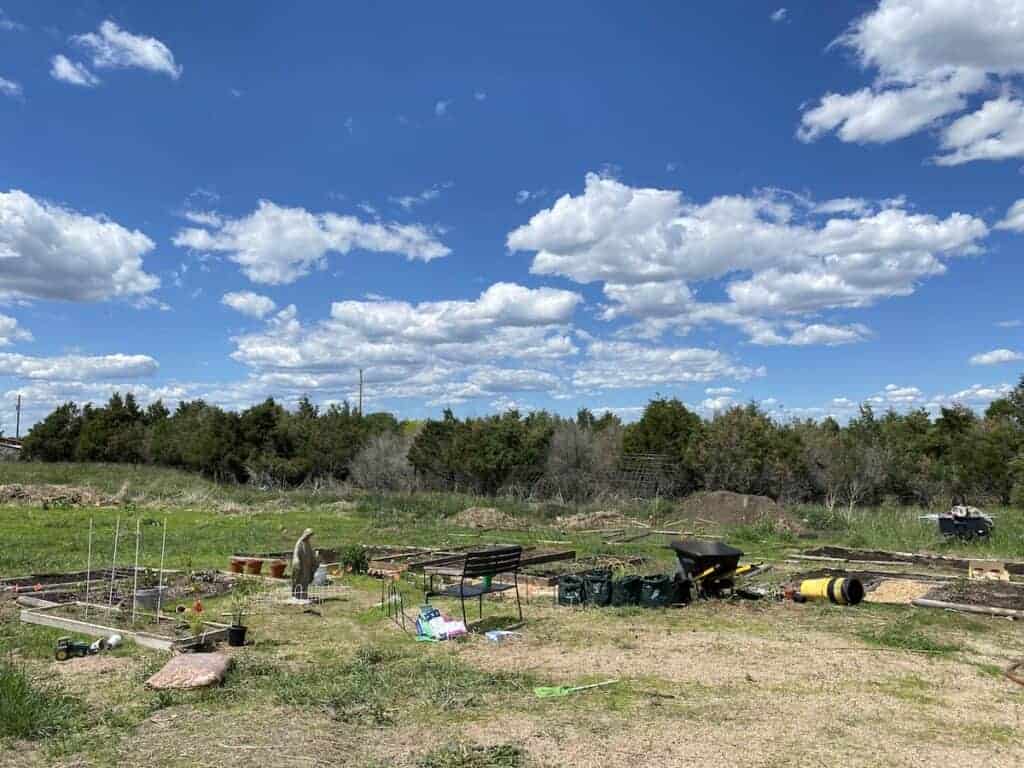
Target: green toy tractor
{"x":68,"y":648}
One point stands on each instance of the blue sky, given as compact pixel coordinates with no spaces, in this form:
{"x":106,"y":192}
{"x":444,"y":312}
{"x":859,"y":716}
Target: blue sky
{"x":545,"y":205}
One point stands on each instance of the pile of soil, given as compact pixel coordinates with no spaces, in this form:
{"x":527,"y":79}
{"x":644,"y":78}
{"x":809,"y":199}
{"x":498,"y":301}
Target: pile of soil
{"x":728,"y":508}
{"x":995,"y":594}
{"x":54,"y":496}
{"x":585,"y":521}
{"x":484,"y":518}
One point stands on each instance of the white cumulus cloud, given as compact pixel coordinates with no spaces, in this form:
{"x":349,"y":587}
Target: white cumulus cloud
{"x":779,"y":258}
{"x":11,"y":332}
{"x":77,"y":367}
{"x":930,"y":59}
{"x":1014,"y":219}
{"x":112,"y":47}
{"x":997,"y":356}
{"x":51,"y":252}
{"x":64,"y":69}
{"x":10,"y":88}
{"x":623,"y":364}
{"x":502,"y":342}
{"x":275,"y":244}
{"x":249,"y":303}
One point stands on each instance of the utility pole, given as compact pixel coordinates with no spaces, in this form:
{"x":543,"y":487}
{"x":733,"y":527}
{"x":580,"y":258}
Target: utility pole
{"x":17,"y":420}
{"x":360,"y":393}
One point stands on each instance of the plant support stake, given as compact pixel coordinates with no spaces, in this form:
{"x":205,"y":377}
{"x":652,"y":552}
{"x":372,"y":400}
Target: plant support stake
{"x":135,"y":579}
{"x":88,"y":571}
{"x":113,"y":564}
{"x":160,"y":587}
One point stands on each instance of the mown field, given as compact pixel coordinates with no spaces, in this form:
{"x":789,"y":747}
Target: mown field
{"x":759,"y":683}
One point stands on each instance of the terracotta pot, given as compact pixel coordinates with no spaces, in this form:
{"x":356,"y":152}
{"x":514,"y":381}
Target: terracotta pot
{"x":236,"y":564}
{"x":277,"y":568}
{"x":253,"y":566}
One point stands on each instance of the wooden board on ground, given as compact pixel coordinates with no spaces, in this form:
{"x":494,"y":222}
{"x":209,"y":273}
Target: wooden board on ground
{"x":51,"y":617}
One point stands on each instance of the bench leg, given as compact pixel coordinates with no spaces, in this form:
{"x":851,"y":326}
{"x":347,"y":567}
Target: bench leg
{"x":480,"y":608}
{"x":519,"y":605}
{"x":462,"y":600}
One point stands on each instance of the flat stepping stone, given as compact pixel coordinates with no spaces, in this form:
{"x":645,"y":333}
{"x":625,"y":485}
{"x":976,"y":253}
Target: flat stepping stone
{"x":191,"y":670}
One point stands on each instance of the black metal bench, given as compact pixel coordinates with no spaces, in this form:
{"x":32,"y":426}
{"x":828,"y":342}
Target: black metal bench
{"x":482,"y":564}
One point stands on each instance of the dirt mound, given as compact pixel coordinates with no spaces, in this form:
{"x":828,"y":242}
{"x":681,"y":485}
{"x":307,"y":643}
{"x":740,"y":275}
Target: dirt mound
{"x":585,"y":521}
{"x":728,"y":508}
{"x":54,"y":496}
{"x":484,"y":517}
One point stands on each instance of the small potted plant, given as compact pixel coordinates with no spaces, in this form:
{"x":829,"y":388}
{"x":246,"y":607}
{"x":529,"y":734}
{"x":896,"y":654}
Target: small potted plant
{"x":196,"y":624}
{"x":240,"y":605}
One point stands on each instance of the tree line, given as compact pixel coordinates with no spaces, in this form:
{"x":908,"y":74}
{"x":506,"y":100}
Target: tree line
{"x":907,"y":458}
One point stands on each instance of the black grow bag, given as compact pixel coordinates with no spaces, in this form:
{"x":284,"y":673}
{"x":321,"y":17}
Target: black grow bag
{"x":657,"y":591}
{"x":597,"y":587}
{"x":626,"y":591}
{"x":570,"y":590}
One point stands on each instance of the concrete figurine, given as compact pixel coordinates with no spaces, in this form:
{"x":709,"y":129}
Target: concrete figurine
{"x":304,"y":562}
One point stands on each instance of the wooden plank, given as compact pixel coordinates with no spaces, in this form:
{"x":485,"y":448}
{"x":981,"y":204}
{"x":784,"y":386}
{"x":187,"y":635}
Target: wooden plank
{"x":548,"y":557}
{"x":985,"y":610}
{"x":35,"y":602}
{"x":43,"y":617}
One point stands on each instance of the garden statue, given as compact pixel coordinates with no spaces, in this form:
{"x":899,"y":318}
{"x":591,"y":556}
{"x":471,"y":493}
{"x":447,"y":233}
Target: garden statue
{"x":304,"y":562}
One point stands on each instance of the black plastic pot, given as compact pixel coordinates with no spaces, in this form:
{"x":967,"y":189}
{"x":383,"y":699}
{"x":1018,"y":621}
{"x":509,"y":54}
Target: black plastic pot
{"x":597,"y":587}
{"x":626,"y":591}
{"x":570,"y":590}
{"x":236,"y":636}
{"x":657,"y":591}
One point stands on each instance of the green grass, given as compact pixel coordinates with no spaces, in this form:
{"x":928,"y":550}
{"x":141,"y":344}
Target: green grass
{"x":912,"y":689}
{"x":378,"y":681}
{"x":461,"y":755}
{"x":30,"y":709}
{"x":900,"y":529}
{"x":915,"y":631}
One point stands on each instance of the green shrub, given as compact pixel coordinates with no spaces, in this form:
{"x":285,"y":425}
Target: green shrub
{"x":354,"y":558}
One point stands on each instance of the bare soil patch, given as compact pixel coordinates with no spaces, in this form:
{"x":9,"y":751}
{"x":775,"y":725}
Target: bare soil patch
{"x":997,"y":594}
{"x":728,"y":508}
{"x":583,"y":521}
{"x":484,"y":518}
{"x":915,"y":558}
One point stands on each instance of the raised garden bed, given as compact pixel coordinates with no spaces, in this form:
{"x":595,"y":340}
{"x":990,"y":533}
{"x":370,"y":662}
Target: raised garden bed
{"x":913,"y":558}
{"x":58,"y":580}
{"x":99,"y":621}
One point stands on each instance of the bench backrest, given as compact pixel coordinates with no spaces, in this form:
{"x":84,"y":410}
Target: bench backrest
{"x":492,"y":561}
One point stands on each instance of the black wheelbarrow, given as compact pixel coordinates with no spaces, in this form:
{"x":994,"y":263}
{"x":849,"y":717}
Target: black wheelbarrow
{"x":708,"y":568}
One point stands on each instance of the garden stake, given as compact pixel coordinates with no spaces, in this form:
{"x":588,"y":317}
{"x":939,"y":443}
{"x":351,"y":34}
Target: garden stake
{"x":135,"y":580}
{"x":113,"y":565}
{"x":160,"y":587}
{"x":88,"y":571}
